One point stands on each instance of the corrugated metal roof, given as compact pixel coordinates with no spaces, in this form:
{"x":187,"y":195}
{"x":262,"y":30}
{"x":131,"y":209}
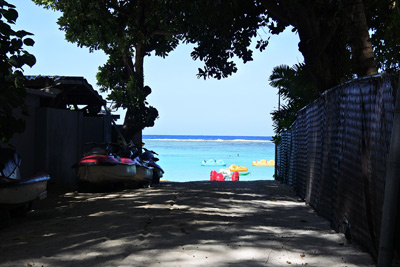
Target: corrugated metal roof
{"x":68,"y":90}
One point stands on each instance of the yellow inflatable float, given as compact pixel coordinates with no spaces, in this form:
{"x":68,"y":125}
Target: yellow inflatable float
{"x":234,"y":168}
{"x":264,"y":163}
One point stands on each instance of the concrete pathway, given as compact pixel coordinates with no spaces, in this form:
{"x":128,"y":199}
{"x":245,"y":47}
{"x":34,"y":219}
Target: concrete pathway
{"x":260,"y":223}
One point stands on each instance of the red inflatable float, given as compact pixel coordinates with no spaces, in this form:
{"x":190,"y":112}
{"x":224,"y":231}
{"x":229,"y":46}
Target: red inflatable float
{"x":235,"y":176}
{"x":220,"y":177}
{"x":213,"y":175}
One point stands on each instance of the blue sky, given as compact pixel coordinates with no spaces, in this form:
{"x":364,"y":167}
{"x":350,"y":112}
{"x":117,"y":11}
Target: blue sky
{"x":238,"y":105}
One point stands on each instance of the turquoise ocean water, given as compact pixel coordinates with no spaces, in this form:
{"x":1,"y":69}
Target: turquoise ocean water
{"x":181,"y":155}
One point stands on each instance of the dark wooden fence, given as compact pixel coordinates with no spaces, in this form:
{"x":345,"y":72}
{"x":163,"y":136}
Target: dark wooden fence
{"x":335,"y":153}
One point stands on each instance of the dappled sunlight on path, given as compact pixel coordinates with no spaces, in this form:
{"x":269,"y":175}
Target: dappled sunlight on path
{"x":260,"y":223}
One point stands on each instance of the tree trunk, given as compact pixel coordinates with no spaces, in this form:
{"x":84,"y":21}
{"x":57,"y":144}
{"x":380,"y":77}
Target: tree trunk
{"x":359,"y":39}
{"x":324,"y":36}
{"x":133,"y":123}
{"x":325,"y":54}
{"x":322,"y":41}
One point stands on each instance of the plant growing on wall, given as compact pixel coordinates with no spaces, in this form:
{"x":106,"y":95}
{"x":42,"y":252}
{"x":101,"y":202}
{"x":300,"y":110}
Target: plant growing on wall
{"x":13,"y":58}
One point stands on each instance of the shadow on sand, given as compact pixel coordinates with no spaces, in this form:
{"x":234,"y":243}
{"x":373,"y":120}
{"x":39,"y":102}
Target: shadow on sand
{"x":260,"y":223}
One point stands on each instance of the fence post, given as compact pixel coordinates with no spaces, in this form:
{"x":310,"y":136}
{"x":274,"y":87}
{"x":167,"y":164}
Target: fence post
{"x":386,"y":241}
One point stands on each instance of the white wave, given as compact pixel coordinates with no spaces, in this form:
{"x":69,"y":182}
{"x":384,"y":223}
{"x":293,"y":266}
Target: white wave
{"x":246,"y":140}
{"x":209,"y":140}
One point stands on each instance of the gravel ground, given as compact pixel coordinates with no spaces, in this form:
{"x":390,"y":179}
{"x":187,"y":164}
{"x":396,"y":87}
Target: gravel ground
{"x":260,"y":223}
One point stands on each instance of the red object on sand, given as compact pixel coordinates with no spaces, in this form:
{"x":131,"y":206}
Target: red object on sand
{"x":213,"y":175}
{"x":220,"y":177}
{"x":235,"y":176}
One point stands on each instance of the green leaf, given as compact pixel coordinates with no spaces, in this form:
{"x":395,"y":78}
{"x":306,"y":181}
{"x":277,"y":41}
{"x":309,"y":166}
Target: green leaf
{"x":29,"y":41}
{"x":4,"y":3}
{"x":22,"y":33}
{"x":20,"y":61}
{"x":29,"y":59}
{"x":15,"y":44}
{"x":11,"y":15}
{"x":5,"y":28}
{"x":13,"y":60}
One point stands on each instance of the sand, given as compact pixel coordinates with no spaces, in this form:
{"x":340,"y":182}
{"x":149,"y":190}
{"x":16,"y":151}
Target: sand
{"x":260,"y":223}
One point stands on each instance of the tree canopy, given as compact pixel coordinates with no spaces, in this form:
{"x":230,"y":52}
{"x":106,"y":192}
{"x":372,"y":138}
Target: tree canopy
{"x":334,"y":39}
{"x":127,"y":31}
{"x":336,"y":45}
{"x":13,"y":58}
{"x":384,"y":23}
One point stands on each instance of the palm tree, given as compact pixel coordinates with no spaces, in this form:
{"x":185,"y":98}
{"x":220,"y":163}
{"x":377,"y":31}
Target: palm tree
{"x":297,"y":89}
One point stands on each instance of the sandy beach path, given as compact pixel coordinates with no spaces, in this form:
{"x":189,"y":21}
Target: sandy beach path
{"x":260,"y":223}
